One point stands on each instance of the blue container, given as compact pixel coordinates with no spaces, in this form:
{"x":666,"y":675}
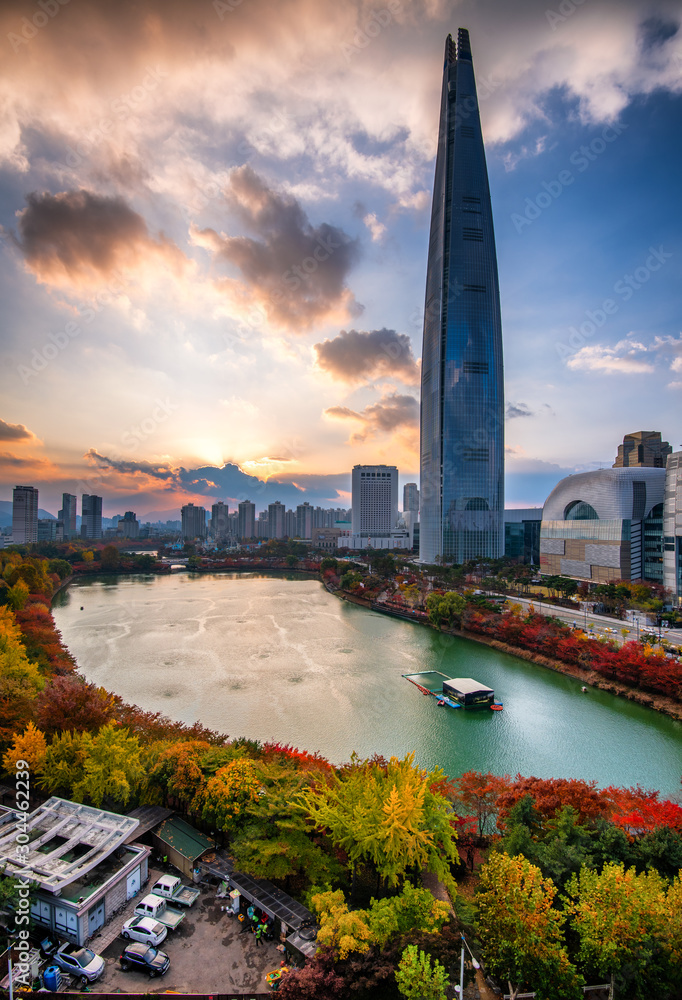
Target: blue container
{"x":52,"y":978}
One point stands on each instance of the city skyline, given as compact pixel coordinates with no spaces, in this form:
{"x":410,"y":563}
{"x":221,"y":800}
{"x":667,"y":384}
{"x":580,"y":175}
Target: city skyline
{"x":201,"y":294}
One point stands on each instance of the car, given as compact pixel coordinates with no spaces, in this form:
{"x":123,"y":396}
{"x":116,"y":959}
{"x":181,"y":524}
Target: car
{"x":80,"y":962}
{"x":145,"y":958}
{"x":144,"y":929}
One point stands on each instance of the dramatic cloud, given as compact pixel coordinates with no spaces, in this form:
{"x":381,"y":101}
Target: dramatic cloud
{"x":15,"y":432}
{"x":81,"y":238}
{"x":356,"y":356}
{"x":294,"y":271}
{"x":392,"y":413}
{"x":228,"y":483}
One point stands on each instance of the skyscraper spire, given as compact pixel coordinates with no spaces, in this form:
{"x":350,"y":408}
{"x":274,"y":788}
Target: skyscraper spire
{"x":462,"y":399}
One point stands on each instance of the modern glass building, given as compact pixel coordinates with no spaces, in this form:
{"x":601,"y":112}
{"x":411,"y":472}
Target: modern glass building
{"x":462,"y":393}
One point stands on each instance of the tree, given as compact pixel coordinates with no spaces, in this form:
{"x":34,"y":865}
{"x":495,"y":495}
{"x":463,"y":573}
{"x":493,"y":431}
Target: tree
{"x":446,"y":609}
{"x":17,"y":595}
{"x":417,"y":980}
{"x":224,"y":797}
{"x":73,"y":703}
{"x":20,"y":679}
{"x":388,"y":814}
{"x":63,"y":764}
{"x":111,"y":768}
{"x":521,"y":932}
{"x":620,"y":918}
{"x":346,"y":930}
{"x":110,"y":558}
{"x":30,"y":746}
{"x":478,"y":793}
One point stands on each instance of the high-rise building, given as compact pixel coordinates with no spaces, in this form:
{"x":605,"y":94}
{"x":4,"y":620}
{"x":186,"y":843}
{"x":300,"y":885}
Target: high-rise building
{"x":411,"y":497}
{"x":24,"y":515}
{"x":276,"y":516}
{"x":220,"y":525}
{"x":462,"y":404}
{"x":642,"y":450}
{"x":375,"y":499}
{"x":67,"y":516}
{"x":193,"y":521}
{"x":247,"y":520}
{"x":91,"y":516}
{"x":672,"y":527}
{"x":128,"y":525}
{"x":304,"y":520}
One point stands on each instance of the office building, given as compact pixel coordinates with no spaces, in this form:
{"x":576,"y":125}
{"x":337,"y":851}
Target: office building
{"x":47,"y":529}
{"x":411,"y":497}
{"x":91,"y":516}
{"x":128,"y":525}
{"x":522,"y":534}
{"x":605,"y":525}
{"x":462,"y":404}
{"x":24,"y":515}
{"x":672,"y":527}
{"x":642,"y":450}
{"x":193,"y":521}
{"x":375,"y":499}
{"x":220,"y":524}
{"x":276,"y":518}
{"x":247,"y":520}
{"x":67,"y":516}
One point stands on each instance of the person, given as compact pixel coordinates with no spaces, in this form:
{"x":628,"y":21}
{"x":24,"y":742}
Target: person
{"x":259,"y":934}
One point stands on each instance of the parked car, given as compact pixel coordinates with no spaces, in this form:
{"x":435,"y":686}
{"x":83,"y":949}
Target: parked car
{"x":144,"y":929}
{"x":80,"y":962}
{"x":145,"y":958}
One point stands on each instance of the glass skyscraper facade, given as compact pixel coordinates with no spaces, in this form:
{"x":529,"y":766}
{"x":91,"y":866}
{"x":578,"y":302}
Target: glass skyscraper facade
{"x":462,"y":390}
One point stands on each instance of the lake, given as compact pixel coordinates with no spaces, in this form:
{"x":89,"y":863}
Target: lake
{"x":277,"y":658}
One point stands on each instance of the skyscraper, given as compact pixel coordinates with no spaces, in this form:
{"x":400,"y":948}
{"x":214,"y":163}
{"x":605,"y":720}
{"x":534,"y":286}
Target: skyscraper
{"x":462,"y":392}
{"x":67,"y":515}
{"x":411,"y":497}
{"x":24,"y":514}
{"x":643,"y":449}
{"x":91,"y":516}
{"x":247,"y":520}
{"x":276,"y":518}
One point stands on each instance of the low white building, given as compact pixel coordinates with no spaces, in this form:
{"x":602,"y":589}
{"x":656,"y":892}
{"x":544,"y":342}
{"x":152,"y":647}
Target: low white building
{"x":80,"y":862}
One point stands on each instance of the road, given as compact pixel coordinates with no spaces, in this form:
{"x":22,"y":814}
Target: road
{"x":612,"y":628}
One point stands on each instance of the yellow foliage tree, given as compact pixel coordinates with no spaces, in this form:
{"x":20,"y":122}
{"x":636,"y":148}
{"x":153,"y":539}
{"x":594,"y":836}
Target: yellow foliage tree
{"x":30,"y":746}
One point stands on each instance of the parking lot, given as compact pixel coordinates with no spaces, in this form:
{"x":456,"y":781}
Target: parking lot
{"x":208,"y":953}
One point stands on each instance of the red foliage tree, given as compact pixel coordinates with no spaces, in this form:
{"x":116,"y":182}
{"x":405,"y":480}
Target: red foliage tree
{"x":70,"y":703}
{"x":549,"y":795}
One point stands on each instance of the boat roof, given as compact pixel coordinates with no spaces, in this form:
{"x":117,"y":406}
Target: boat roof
{"x":467,"y":685}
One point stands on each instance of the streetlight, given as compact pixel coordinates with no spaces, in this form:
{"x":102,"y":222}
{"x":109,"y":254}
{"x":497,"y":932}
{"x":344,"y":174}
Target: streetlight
{"x":460,"y":989}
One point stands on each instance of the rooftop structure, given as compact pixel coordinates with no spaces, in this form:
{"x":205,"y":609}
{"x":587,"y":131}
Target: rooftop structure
{"x":66,"y":841}
{"x":643,"y":450}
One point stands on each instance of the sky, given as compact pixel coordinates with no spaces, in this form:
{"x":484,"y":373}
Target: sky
{"x":214,"y":223}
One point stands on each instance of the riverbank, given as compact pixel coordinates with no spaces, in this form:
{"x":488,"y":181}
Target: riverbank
{"x":589,"y":678}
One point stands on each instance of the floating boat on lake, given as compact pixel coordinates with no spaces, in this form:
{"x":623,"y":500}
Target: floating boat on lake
{"x":455,"y":692}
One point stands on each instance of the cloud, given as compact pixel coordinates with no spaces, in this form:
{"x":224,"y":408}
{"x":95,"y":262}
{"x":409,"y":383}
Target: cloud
{"x":518,"y":410}
{"x":630,"y":356}
{"x":294,"y":271}
{"x":229,"y":482}
{"x":356,"y":356}
{"x":392,"y":413}
{"x":77,"y":238}
{"x":376,"y":228}
{"x":15,"y":432}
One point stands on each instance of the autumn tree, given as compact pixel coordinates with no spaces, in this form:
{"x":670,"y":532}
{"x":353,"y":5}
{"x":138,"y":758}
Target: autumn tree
{"x":620,"y":918}
{"x":478,"y":793}
{"x":63,"y":764}
{"x":70,"y":702}
{"x":417,"y":979}
{"x":520,"y":931}
{"x":225,"y":796}
{"x":20,"y":679}
{"x":388,"y":815}
{"x":30,"y":746}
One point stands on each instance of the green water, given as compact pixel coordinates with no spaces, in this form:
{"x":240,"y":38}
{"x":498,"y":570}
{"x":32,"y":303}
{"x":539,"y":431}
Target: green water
{"x":276,"y":658}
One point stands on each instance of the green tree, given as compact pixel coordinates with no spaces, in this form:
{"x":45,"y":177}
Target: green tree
{"x":521,"y":932}
{"x":63,"y":764}
{"x":620,"y":918}
{"x":17,"y":595}
{"x":446,"y":609}
{"x":417,"y":979}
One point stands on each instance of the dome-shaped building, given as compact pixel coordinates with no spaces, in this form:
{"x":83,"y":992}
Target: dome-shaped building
{"x":605,"y":525}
